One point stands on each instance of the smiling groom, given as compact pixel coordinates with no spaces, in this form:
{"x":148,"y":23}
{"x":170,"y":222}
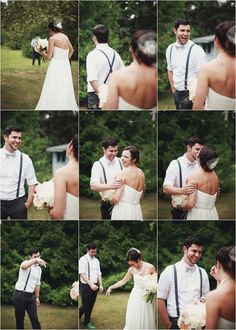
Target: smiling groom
{"x":16,"y":168}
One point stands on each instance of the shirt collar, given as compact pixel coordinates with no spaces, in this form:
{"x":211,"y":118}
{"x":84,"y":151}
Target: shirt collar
{"x":185,"y":46}
{"x":101,"y":46}
{"x":186,"y":267}
{"x":90,"y":258}
{"x":108,"y":162}
{"x":9,"y":154}
{"x":188,"y":162}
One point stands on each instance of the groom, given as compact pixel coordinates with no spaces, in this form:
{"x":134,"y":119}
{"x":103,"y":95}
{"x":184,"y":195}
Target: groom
{"x":90,"y":283}
{"x":16,"y":168}
{"x":180,"y":284}
{"x":180,"y":169}
{"x":103,"y":175}
{"x":100,"y":63}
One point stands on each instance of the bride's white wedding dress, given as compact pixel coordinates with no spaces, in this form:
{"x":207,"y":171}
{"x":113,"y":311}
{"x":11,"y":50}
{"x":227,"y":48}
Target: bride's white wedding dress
{"x":58,"y":91}
{"x":71,"y":211}
{"x":225,"y":324}
{"x":204,"y":208}
{"x":123,"y":105}
{"x":139,"y":314}
{"x":216,"y":101}
{"x":128,"y":207}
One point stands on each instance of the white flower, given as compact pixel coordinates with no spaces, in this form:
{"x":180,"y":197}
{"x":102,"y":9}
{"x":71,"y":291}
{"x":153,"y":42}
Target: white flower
{"x":44,"y":196}
{"x":106,"y":195}
{"x":150,"y":283}
{"x":211,"y":163}
{"x":178,"y":200}
{"x":149,"y":47}
{"x":194,"y":316}
{"x":40,"y":45}
{"x":74,"y":292}
{"x":58,"y":25}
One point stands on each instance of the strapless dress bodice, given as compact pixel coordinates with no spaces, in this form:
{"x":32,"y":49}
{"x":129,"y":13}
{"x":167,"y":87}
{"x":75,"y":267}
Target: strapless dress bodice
{"x":216,"y":101}
{"x":60,"y":53}
{"x":131,"y":195}
{"x":205,"y":201}
{"x":124,"y":105}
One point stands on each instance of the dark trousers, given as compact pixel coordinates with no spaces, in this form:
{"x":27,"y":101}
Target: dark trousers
{"x":15,"y":209}
{"x":174,"y":321}
{"x":182,"y":101}
{"x":24,"y":301}
{"x":88,"y":297}
{"x":36,"y":56}
{"x":106,"y":209}
{"x":93,"y":101}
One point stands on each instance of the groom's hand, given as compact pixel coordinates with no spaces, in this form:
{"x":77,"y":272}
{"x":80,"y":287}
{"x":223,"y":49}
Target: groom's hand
{"x":116,"y":184}
{"x":100,"y":288}
{"x":189,"y":189}
{"x":94,"y":287}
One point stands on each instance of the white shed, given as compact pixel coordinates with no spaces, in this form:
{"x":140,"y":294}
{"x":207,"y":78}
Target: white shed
{"x":59,"y":158}
{"x":207,"y":43}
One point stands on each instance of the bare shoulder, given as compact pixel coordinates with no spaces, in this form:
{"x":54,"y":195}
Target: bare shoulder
{"x":61,"y":172}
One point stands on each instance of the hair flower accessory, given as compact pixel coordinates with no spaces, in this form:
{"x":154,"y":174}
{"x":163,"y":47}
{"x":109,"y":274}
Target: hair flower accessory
{"x":147,"y":44}
{"x":211,"y":163}
{"x":231,"y":35}
{"x":58,"y":25}
{"x":232,"y":254}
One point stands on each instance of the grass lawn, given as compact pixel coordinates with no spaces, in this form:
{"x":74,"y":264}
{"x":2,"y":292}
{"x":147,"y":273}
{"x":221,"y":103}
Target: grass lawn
{"x":50,"y":317}
{"x":109,"y":312}
{"x":225,"y":206}
{"x":166,"y":102}
{"x":21,"y":82}
{"x":90,"y":208}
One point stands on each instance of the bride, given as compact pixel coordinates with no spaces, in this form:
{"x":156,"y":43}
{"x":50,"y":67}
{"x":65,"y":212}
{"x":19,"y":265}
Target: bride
{"x":66,"y":185}
{"x":139,"y":313}
{"x":201,"y":203}
{"x":216,"y":80}
{"x":58,"y":90}
{"x":135,"y":86}
{"x":127,"y":198}
{"x":220,"y":303}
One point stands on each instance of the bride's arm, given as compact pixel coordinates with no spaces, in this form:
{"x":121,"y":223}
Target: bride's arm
{"x":57,"y":212}
{"x":122,"y":282}
{"x":71,"y":49}
{"x":212,"y":310}
{"x":49,"y":53}
{"x":113,"y":93}
{"x":201,"y":90}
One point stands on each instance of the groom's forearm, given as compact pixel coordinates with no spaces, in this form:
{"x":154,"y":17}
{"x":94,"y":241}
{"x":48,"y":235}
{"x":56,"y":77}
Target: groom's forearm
{"x":31,"y":192}
{"x":170,"y":190}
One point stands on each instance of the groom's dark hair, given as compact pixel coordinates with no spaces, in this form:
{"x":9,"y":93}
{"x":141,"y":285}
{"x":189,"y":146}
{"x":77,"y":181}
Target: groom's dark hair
{"x":193,"y":140}
{"x":7,"y":131}
{"x":192,"y":240}
{"x":101,"y":32}
{"x":109,"y":142}
{"x":181,"y":22}
{"x":33,"y":250}
{"x":91,"y":246}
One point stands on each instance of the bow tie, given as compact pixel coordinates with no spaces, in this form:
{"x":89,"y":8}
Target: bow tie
{"x":189,"y":269}
{"x":10,"y":155}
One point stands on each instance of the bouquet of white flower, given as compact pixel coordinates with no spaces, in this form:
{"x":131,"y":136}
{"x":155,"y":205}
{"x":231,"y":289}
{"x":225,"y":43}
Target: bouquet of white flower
{"x":177,"y":201}
{"x":193,"y":317}
{"x":150,"y":283}
{"x":44,"y":196}
{"x":40,"y":44}
{"x":107,"y":194}
{"x":74,"y":292}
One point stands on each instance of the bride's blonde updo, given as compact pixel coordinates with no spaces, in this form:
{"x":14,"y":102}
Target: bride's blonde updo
{"x":133,"y":254}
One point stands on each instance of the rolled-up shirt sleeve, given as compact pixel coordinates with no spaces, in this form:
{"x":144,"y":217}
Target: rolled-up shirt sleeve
{"x":170,"y":178}
{"x":169,"y":66}
{"x":91,"y":67}
{"x":30,"y":173}
{"x":163,"y":286}
{"x":95,"y":173}
{"x":83,"y":266}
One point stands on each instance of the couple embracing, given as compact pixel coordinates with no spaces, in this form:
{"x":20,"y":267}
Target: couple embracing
{"x":119,"y":182}
{"x":17,"y":168}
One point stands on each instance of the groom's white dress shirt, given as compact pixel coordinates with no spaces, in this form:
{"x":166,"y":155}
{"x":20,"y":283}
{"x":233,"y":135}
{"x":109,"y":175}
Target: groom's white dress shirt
{"x":97,"y":64}
{"x":33,"y":281}
{"x":172,"y":172}
{"x":188,"y":280}
{"x":177,"y":62}
{"x":9,"y":174}
{"x":111,"y":169}
{"x":89,"y":266}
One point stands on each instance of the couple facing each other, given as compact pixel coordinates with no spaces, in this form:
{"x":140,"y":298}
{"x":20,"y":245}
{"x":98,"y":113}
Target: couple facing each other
{"x":184,"y":283}
{"x":17,"y":168}
{"x":196,"y":84}
{"x":107,"y":83}
{"x":192,"y":182}
{"x":139,"y":313}
{"x":119,"y":182}
{"x":58,"y":91}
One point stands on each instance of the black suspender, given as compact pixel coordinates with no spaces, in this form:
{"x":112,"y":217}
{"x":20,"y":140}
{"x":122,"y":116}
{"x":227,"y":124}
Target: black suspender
{"x":186,"y":68}
{"x":187,"y":65}
{"x":88,"y":268}
{"x":176,"y":288}
{"x":176,"y":292}
{"x":19,"y":177}
{"x":104,"y":172}
{"x":110,"y":63}
{"x":180,"y":174}
{"x":27,"y":280}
